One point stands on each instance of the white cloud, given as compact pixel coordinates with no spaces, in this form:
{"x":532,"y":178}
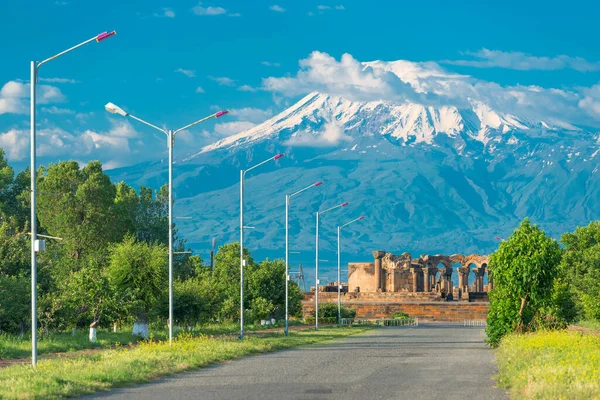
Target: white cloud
{"x":429,"y":84}
{"x":200,"y":90}
{"x":14,"y":97}
{"x":347,"y":77}
{"x":340,"y":7}
{"x":330,"y":135}
{"x":232,"y":128}
{"x":166,"y":12}
{"x":247,"y":88}
{"x":15,"y":143}
{"x":200,"y":10}
{"x":322,"y":7}
{"x":277,"y":8}
{"x":121,"y":129}
{"x":223,"y":80}
{"x":270,"y":64}
{"x":58,"y":80}
{"x":486,"y":58}
{"x":249,"y":114}
{"x":190,"y":73}
{"x":57,"y":110}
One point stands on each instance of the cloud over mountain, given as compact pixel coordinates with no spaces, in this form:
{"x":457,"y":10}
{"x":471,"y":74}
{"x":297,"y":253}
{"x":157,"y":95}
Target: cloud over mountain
{"x":429,"y":84}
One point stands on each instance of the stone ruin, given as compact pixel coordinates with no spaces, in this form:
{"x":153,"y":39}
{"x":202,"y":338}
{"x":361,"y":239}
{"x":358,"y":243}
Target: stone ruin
{"x":391,"y":273}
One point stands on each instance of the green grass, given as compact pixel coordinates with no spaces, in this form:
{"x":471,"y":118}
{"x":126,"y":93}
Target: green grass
{"x":13,"y":347}
{"x":550,"y":365}
{"x":595,"y":325}
{"x":68,"y":377}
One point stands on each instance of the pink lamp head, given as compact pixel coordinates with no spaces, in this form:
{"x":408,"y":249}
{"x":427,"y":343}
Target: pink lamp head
{"x":361,"y":217}
{"x":105,"y":35}
{"x":278,"y":156}
{"x":221,"y":113}
{"x":318,"y":183}
{"x":345,"y":204}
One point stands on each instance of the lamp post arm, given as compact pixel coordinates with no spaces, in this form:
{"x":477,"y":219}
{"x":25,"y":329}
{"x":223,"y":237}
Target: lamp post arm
{"x":97,"y":38}
{"x":333,"y":208}
{"x":259,"y":164}
{"x":149,"y":124}
{"x":306,"y":188}
{"x":195,"y":123}
{"x":351,"y":222}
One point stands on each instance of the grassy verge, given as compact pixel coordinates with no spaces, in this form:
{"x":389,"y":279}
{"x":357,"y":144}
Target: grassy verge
{"x":550,"y":365}
{"x":59,"y":378}
{"x":594,"y":325}
{"x":14,"y":347}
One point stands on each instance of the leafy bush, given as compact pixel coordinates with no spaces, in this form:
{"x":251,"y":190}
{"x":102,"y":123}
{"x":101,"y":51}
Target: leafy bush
{"x":524,"y":268}
{"x":330,"y":310}
{"x":401,"y":315}
{"x":14,"y":303}
{"x":580,"y":267}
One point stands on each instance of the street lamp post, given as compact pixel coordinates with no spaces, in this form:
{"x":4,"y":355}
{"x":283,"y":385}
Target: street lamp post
{"x":287,"y":252}
{"x":319,"y":213}
{"x":39,"y":245}
{"x":114,"y":109}
{"x":339,"y":277}
{"x":242,"y":178}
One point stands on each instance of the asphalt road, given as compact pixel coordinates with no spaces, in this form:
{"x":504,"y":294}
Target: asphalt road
{"x":432,"y":361}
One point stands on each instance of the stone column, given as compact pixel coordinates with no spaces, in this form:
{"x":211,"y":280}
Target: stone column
{"x":490,"y":282}
{"x":426,"y":280}
{"x":415,"y":281}
{"x":378,"y":255}
{"x":461,"y":278}
{"x":448,"y":270}
{"x":478,"y":280}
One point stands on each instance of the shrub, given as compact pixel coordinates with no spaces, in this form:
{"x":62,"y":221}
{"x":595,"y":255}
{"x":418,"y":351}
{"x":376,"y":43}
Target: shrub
{"x":524,"y":268}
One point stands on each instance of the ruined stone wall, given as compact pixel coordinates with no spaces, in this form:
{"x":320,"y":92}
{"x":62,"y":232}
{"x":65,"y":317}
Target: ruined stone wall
{"x":391,"y":273}
{"x":425,"y":311}
{"x":362,"y":276}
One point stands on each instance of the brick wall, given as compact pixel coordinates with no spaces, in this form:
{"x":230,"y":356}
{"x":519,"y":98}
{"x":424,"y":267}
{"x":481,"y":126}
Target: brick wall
{"x":425,"y":311}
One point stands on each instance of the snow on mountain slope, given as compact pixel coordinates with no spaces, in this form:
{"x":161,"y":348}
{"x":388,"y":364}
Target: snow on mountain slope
{"x":440,"y":178}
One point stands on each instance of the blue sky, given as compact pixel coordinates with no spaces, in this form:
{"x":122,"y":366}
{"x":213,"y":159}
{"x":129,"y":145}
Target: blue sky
{"x":175,"y":61}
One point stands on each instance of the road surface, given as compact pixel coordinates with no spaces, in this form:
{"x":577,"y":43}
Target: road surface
{"x":432,"y":361}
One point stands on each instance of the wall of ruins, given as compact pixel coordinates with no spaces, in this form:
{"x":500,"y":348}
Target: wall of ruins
{"x":427,"y":273}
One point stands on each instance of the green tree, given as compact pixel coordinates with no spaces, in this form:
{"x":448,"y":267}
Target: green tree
{"x":14,"y":251}
{"x":580,"y":267}
{"x":152,"y":218}
{"x":85,"y":296}
{"x":266,"y":284}
{"x":226,"y":280}
{"x":127,"y":204}
{"x":14,"y":303}
{"x":6,"y":178}
{"x":78,"y":206}
{"x":525,"y":267}
{"x":137,"y":273}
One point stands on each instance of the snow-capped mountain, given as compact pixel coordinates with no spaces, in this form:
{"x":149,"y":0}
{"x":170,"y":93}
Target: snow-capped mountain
{"x":429,"y":178}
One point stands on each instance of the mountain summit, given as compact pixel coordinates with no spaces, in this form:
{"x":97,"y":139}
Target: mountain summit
{"x":430,"y":176}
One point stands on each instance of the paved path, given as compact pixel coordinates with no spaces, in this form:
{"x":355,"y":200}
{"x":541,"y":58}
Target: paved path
{"x":432,"y":361}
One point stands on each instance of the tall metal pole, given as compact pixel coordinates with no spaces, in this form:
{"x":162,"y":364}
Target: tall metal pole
{"x":287,"y":273}
{"x":33,"y":219}
{"x":317,"y":278}
{"x":241,"y":254}
{"x":339,"y":281}
{"x":171,"y":139}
